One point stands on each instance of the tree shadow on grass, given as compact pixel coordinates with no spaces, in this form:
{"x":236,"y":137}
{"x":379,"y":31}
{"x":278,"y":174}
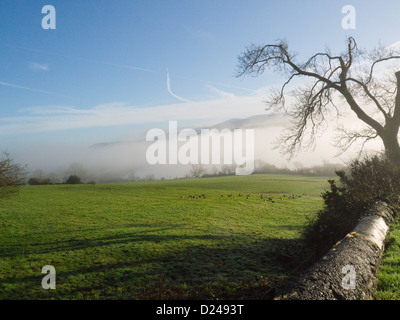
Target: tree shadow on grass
{"x":148,"y":264}
{"x":148,"y":232}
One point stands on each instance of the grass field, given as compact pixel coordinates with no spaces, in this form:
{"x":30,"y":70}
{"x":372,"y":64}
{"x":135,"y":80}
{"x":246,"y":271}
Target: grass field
{"x":148,"y":240}
{"x":389,"y":272}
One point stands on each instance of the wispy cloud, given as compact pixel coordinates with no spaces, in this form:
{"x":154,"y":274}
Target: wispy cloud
{"x":394,"y":46}
{"x":199,"y":34}
{"x":220,"y":92}
{"x":38,"y":67}
{"x":134,"y":68}
{"x":53,"y":110}
{"x":6,"y":84}
{"x":79,"y":59}
{"x":55,"y":118}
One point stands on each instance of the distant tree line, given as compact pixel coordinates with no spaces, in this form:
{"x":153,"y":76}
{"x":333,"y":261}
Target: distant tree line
{"x":323,"y":170}
{"x":77,"y":174}
{"x":198,"y":171}
{"x":262,"y":167}
{"x":72,"y":179}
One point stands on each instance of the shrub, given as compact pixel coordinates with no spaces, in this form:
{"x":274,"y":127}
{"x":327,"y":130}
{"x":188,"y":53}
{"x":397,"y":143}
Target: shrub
{"x":73,"y":179}
{"x":12,"y":175}
{"x":46,"y":181}
{"x":37,"y":181}
{"x":34,"y":182}
{"x":363,"y":183}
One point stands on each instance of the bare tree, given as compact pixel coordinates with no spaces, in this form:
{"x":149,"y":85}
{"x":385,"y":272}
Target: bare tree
{"x":353,"y":77}
{"x":12,"y":175}
{"x":197,"y":170}
{"x":228,"y":169}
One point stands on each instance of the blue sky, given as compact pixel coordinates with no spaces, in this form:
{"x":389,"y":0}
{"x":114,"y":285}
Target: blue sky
{"x":103,"y":72}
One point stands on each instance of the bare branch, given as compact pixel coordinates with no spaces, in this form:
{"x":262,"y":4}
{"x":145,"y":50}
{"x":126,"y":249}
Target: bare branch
{"x":347,"y":138}
{"x":345,"y":74}
{"x":370,"y":95}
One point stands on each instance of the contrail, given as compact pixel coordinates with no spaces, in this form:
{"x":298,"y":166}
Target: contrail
{"x":216,"y":83}
{"x":133,"y":68}
{"x":126,"y":66}
{"x":83,"y":59}
{"x":31,"y":89}
{"x":173,"y":94}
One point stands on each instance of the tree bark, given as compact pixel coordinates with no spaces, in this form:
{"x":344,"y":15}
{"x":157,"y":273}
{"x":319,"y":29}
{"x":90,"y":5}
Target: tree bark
{"x":391,"y":143}
{"x":390,"y":134}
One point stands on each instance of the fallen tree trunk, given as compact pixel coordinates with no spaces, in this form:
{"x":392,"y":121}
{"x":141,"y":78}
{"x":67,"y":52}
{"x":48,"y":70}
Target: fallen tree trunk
{"x":349,"y":270}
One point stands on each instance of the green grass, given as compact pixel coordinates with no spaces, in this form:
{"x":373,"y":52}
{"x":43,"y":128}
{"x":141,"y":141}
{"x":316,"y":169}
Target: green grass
{"x":144,"y":241}
{"x":389,"y":272}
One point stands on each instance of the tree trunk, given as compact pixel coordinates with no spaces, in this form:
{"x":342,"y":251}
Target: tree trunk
{"x":392,"y":146}
{"x":390,"y":134}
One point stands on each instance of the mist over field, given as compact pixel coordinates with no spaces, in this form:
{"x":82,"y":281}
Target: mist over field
{"x":124,"y":158}
{"x":199,"y":150}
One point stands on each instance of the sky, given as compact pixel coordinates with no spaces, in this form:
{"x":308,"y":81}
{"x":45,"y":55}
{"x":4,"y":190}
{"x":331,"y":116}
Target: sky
{"x":114,"y":67}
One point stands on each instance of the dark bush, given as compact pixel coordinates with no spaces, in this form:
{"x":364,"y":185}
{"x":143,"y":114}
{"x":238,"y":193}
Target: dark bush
{"x":34,"y":181}
{"x":363,"y":183}
{"x":37,"y":181}
{"x":46,"y":181}
{"x":73,"y":179}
